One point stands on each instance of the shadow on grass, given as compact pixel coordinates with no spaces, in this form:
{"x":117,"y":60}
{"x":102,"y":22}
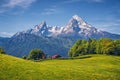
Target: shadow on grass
{"x":63,"y":58}
{"x":79,"y":57}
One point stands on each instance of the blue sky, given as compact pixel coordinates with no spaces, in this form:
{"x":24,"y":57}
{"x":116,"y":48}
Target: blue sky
{"x":19,"y":15}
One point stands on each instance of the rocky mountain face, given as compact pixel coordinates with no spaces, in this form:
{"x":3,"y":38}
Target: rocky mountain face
{"x":76,"y":28}
{"x":23,"y":43}
{"x":54,"y":40}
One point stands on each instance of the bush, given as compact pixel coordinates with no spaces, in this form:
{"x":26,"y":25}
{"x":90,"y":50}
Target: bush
{"x":36,"y":54}
{"x":2,"y":50}
{"x":24,"y":57}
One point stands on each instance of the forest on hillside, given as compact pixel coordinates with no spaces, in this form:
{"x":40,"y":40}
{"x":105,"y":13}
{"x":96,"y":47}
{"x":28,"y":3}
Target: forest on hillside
{"x":93,"y":46}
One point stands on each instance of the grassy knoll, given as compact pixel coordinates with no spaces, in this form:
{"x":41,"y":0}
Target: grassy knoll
{"x":96,"y":67}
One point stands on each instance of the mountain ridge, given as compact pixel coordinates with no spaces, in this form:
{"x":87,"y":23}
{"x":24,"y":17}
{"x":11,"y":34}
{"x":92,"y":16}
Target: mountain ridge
{"x":75,"y":26}
{"x":53,"y":39}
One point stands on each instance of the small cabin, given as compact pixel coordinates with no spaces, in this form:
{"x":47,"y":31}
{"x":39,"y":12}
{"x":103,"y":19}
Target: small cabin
{"x":56,"y":56}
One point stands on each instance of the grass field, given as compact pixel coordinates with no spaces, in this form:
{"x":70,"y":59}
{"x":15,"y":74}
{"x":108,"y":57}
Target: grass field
{"x":97,"y":67}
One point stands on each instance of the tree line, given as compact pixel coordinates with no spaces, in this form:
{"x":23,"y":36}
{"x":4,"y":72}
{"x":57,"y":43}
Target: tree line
{"x":93,"y":46}
{"x":35,"y":54}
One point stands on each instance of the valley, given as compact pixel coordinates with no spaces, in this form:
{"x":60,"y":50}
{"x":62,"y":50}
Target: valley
{"x":52,"y":39}
{"x":97,"y":67}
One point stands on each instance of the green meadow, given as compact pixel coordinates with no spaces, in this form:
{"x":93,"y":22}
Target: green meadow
{"x":96,"y":67}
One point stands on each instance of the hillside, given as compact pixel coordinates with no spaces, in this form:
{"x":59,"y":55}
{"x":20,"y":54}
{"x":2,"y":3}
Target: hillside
{"x":100,"y":67}
{"x":53,"y":39}
{"x":22,"y":45}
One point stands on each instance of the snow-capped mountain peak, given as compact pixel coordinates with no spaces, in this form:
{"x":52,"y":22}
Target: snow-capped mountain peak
{"x":41,"y":29}
{"x":77,"y":25}
{"x":76,"y":28}
{"x":42,"y":25}
{"x":76,"y":17}
{"x":79,"y":20}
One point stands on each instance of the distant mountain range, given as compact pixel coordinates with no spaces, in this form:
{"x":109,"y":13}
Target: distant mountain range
{"x":53,"y":40}
{"x":76,"y":28}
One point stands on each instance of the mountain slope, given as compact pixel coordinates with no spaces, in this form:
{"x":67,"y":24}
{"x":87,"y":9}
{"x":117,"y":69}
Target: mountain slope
{"x":54,"y":39}
{"x":3,"y":41}
{"x":76,"y":28}
{"x":23,"y":43}
{"x":98,"y":67}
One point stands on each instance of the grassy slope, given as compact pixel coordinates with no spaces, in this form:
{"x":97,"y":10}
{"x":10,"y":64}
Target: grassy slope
{"x":98,"y":67}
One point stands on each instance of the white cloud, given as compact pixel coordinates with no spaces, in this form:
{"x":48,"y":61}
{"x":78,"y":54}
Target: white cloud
{"x":97,"y":1}
{"x":72,"y":1}
{"x":20,"y":3}
{"x":112,"y":27}
{"x":49,"y":11}
{"x":6,"y":34}
{"x":11,"y":4}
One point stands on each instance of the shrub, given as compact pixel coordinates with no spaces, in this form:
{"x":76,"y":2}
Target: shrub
{"x":36,"y":54}
{"x":2,"y":50}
